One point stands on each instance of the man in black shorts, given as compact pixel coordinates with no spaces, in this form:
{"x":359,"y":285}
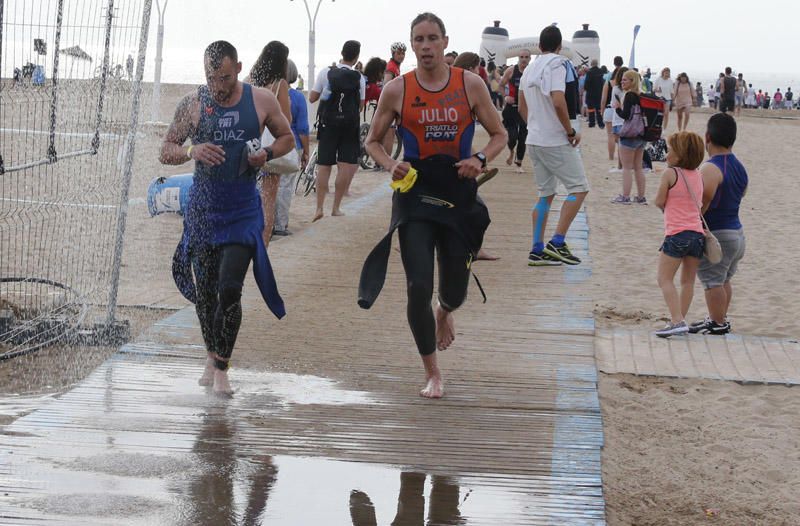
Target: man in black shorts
{"x":341,"y":91}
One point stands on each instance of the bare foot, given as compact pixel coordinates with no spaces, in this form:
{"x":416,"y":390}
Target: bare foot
{"x":482,"y":255}
{"x":445,"y":328}
{"x":337,"y":213}
{"x":319,"y":215}
{"x":222,"y":386}
{"x":434,"y":388}
{"x":207,"y":380}
{"x":510,"y":158}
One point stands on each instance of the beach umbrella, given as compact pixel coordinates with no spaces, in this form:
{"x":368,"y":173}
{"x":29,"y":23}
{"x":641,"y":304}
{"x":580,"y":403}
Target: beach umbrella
{"x":76,"y":53}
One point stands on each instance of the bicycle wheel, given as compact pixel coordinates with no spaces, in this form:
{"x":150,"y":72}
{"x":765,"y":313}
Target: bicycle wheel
{"x":398,"y":145}
{"x":364,"y":160}
{"x":311,"y":174}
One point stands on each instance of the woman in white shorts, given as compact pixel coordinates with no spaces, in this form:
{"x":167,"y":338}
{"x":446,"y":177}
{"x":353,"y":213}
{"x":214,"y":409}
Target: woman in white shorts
{"x":609,"y":115}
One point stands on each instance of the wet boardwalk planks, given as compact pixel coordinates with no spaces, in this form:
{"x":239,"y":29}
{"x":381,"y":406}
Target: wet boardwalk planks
{"x":326,"y":426}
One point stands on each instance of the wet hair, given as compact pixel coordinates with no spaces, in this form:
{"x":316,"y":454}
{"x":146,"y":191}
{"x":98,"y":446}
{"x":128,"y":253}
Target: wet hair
{"x":728,"y":70}
{"x":375,"y":69}
{"x":618,"y":61}
{"x":291,"y":71}
{"x":350,"y":50}
{"x":217,"y":51}
{"x":550,"y":39}
{"x":270,"y":64}
{"x":467,"y":60}
{"x":689,"y":149}
{"x":721,"y":130}
{"x":635,"y":81}
{"x":491,"y":66}
{"x":428,"y":17}
{"x":618,"y":75}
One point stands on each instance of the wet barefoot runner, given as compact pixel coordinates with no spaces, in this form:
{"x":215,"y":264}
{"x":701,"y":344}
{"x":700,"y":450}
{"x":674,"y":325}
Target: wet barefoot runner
{"x":440,"y":214}
{"x":222,"y":230}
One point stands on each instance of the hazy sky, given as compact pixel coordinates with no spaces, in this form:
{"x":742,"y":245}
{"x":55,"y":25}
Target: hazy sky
{"x":694,"y":36}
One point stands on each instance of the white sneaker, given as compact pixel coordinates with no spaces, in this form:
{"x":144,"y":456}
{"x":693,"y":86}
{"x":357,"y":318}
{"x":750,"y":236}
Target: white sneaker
{"x":615,"y":170}
{"x":671,"y":329}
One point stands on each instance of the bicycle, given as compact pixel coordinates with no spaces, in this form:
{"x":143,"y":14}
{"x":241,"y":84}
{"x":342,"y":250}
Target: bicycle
{"x":364,"y":160}
{"x":307,"y":179}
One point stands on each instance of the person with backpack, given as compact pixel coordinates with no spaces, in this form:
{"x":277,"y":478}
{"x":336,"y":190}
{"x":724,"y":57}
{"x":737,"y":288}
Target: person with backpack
{"x":341,"y":91}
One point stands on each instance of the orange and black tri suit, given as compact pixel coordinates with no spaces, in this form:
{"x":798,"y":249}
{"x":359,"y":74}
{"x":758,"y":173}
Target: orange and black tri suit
{"x":440,"y":215}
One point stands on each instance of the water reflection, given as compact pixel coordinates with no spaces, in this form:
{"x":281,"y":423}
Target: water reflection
{"x":443,"y":503}
{"x":213,"y":491}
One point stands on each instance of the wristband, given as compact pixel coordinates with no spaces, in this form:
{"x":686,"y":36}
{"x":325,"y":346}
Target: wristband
{"x":189,"y":151}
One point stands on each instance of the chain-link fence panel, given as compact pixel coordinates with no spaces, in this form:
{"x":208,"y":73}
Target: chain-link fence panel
{"x":70,"y":79}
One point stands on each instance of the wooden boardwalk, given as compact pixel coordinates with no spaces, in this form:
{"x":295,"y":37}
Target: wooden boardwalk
{"x":326,"y":426}
{"x":746,"y":359}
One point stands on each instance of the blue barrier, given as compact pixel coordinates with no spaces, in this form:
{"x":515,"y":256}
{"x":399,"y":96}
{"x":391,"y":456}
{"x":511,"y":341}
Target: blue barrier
{"x":169,"y":194}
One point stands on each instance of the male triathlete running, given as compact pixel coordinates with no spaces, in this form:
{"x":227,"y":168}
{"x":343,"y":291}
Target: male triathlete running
{"x":436,"y":106}
{"x":515,"y":125}
{"x":222,"y":228}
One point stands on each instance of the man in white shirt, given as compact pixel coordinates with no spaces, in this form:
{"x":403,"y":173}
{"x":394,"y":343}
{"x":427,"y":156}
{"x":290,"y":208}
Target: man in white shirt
{"x":548,"y":97}
{"x":342,"y":91}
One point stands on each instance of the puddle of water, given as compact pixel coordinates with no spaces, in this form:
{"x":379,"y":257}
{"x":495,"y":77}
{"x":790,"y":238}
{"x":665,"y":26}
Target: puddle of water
{"x":15,"y":406}
{"x":296,"y":389}
{"x":303,"y":491}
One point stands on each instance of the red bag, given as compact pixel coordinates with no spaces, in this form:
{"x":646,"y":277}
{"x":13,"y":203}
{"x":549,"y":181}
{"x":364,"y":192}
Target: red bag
{"x":653,"y":115}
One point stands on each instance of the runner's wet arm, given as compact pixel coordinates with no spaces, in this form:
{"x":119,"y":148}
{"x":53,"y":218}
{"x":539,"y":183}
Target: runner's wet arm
{"x":183,"y":125}
{"x":381,"y":121}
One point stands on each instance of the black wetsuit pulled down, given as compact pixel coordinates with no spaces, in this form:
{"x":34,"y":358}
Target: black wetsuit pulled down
{"x":440,"y":216}
{"x":515,"y":125}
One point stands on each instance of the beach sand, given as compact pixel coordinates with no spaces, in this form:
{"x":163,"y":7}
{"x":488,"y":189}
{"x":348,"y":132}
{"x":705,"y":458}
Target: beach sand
{"x":674,"y":448}
{"x":681,"y":452}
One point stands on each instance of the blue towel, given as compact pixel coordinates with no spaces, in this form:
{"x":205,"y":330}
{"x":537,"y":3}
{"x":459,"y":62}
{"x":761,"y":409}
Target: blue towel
{"x":232,"y":216}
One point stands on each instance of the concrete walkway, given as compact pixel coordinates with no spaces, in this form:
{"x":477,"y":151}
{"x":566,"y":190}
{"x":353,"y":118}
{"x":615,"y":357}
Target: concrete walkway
{"x":326,"y":426}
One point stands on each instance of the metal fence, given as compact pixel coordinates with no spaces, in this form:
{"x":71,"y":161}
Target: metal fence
{"x":70,"y":80}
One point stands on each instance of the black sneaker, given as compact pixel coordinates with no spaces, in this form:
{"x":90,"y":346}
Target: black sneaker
{"x":561,"y":253}
{"x":697,"y":326}
{"x":542,"y":260}
{"x":714,"y":328}
{"x":281,"y":233}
